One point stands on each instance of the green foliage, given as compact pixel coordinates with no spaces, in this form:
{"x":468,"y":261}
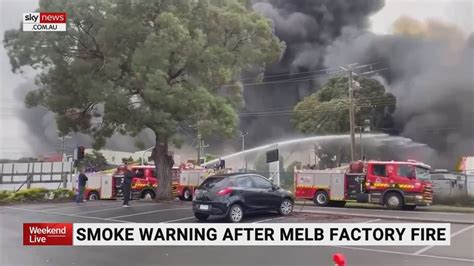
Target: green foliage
{"x":95,"y":161}
{"x":327,"y":110}
{"x":35,"y":195}
{"x":124,"y":66}
{"x":4,"y":195}
{"x":210,"y":157}
{"x":128,"y":160}
{"x":63,"y":193}
{"x":128,"y":65}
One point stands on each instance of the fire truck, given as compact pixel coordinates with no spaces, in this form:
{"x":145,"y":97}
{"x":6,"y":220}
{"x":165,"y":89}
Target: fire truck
{"x":189,"y":178}
{"x":108,"y":184}
{"x":394,"y":184}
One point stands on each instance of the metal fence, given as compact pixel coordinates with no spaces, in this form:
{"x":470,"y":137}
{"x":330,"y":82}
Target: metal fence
{"x":16,"y":176}
{"x":452,"y":187}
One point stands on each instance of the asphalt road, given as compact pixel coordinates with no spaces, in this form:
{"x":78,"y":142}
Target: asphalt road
{"x":12,"y":252}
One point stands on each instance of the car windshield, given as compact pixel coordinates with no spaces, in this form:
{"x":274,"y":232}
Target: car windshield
{"x":214,"y":182}
{"x":422,"y":173}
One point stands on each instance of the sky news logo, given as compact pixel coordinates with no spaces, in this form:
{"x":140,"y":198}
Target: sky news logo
{"x":44,"y":21}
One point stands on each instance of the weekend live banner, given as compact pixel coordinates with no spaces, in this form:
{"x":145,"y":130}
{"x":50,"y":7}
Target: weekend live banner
{"x":257,"y":234}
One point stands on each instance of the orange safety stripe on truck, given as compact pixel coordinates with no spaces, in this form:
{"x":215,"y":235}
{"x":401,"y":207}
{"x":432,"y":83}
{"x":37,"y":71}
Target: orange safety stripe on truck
{"x":386,"y":185}
{"x":405,"y":186}
{"x":380,"y":185}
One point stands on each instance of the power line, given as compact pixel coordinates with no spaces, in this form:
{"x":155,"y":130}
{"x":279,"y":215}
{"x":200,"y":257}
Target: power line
{"x":317,"y":109}
{"x":328,"y":71}
{"x":292,"y":80}
{"x":381,"y":101}
{"x":292,"y":74}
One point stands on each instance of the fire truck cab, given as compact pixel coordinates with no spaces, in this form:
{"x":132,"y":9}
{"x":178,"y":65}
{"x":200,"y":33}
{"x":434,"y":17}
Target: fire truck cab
{"x":144,"y":182}
{"x":394,"y":184}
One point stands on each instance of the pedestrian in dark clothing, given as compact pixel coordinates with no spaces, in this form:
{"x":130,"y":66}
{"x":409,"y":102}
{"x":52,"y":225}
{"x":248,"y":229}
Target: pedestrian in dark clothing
{"x":81,"y":185}
{"x":126,"y":186}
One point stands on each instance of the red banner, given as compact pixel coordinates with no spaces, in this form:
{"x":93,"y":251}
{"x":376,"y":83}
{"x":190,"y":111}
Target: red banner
{"x":47,"y":234}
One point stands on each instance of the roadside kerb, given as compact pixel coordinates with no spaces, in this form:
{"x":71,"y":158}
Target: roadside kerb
{"x":388,"y":217}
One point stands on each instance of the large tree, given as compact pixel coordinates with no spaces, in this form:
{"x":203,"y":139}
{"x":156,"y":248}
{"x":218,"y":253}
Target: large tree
{"x":327,"y":110}
{"x":124,"y":66}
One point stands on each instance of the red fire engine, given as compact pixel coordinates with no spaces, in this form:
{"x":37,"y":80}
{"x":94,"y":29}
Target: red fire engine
{"x":394,"y":184}
{"x":108,"y":184}
{"x":189,"y":178}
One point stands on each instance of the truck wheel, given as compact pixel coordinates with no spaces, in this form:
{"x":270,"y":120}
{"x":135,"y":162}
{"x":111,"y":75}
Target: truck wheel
{"x":201,"y":216}
{"x":236,"y":214}
{"x":93,"y":195}
{"x":393,"y":201}
{"x":187,"y":196}
{"x":409,"y":207}
{"x":148,"y":195}
{"x":321,"y":198}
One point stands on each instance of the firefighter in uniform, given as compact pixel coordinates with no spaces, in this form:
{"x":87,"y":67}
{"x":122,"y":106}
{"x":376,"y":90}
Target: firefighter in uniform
{"x":127,"y":185}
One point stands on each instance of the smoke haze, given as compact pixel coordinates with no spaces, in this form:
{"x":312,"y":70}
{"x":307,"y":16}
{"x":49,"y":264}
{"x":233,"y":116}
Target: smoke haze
{"x":430,"y":66}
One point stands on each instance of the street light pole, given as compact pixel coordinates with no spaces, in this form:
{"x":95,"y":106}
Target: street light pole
{"x":242,"y":135}
{"x":63,"y":145}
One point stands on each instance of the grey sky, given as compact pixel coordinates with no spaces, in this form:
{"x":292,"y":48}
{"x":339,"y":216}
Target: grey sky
{"x":13,"y":129}
{"x":13,"y":133}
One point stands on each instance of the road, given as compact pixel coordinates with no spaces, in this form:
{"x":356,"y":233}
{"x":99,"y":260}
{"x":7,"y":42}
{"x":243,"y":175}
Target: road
{"x":12,"y":252}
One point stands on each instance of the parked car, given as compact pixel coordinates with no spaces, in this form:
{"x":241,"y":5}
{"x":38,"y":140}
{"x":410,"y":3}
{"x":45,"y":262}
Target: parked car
{"x":236,"y":195}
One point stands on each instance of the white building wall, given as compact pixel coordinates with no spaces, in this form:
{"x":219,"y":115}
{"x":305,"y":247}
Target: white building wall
{"x":115,"y":157}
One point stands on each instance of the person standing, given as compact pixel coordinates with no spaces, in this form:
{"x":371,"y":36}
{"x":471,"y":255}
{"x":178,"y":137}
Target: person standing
{"x":126,"y":185}
{"x":81,"y":185}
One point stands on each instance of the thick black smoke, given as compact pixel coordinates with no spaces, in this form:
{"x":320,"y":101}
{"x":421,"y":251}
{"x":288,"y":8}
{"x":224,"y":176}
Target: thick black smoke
{"x":430,"y":72}
{"x":307,"y":27}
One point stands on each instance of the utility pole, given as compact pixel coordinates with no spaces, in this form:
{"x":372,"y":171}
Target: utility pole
{"x":351,"y":107}
{"x":201,"y":147}
{"x":242,"y":135}
{"x":351,"y":114}
{"x":62,"y":148}
{"x":199,"y":140}
{"x":63,"y":145}
{"x":360,"y":143}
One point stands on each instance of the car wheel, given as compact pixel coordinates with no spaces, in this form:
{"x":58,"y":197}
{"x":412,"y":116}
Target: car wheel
{"x":187,"y":195}
{"x":93,"y":195}
{"x":236,"y":213}
{"x":148,"y":195}
{"x":321,"y":198}
{"x":409,"y":207}
{"x":286,"y":207}
{"x":393,"y":201}
{"x":201,"y":216}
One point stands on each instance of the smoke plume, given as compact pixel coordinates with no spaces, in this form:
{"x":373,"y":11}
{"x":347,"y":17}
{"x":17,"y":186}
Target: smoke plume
{"x":42,"y":133}
{"x":429,"y":69}
{"x":430,"y":66}
{"x":307,"y":27}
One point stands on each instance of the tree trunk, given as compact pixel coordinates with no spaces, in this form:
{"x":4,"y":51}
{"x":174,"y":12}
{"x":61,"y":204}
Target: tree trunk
{"x":163,"y":162}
